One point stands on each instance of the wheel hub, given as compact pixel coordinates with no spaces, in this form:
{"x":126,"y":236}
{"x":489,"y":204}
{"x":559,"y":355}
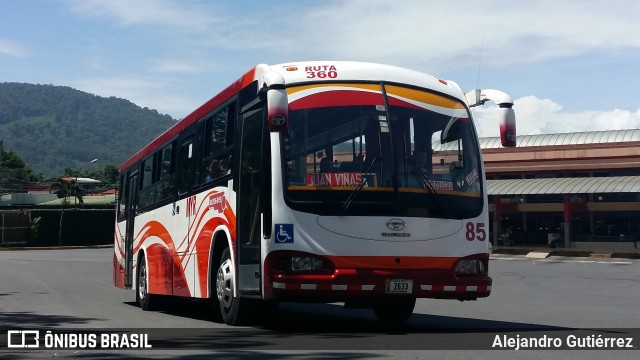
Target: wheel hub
{"x":224,"y":283}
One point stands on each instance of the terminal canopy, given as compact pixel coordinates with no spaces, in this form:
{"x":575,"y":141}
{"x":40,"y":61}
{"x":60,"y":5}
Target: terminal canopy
{"x":591,"y":185}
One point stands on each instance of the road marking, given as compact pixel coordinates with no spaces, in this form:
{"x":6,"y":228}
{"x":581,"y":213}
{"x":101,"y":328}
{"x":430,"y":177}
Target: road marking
{"x":537,"y":255}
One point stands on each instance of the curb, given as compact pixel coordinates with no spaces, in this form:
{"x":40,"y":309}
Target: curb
{"x":566,"y":252}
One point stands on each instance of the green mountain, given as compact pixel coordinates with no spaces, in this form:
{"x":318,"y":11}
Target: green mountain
{"x":57,"y":127}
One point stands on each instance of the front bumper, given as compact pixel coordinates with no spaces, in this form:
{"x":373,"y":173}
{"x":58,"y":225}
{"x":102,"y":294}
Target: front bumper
{"x":353,"y":284}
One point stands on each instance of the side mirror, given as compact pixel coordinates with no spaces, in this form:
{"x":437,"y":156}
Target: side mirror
{"x":507,"y":115}
{"x":277,"y":110}
{"x":277,"y":101}
{"x":507,"y":127}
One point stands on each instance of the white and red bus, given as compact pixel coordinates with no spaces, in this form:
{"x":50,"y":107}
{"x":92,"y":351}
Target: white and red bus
{"x":313,"y":181}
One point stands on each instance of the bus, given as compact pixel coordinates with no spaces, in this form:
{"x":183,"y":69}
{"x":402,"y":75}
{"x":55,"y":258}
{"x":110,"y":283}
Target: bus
{"x":320,"y":181}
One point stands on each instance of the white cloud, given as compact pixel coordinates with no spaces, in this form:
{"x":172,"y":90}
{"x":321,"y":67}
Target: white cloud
{"x":180,"y":66}
{"x":428,"y":35}
{"x":176,"y":14}
{"x":543,"y":116}
{"x":445,"y":34}
{"x":432,"y":36}
{"x":409,"y":32}
{"x":12,"y":48}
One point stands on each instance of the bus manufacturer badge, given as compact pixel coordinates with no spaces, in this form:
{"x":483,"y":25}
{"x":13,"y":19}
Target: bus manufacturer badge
{"x":278,"y":120}
{"x":396,"y":224}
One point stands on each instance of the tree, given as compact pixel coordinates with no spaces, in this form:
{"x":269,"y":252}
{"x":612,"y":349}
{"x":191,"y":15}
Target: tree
{"x":69,"y":188}
{"x":15,"y":174}
{"x":108,"y":175}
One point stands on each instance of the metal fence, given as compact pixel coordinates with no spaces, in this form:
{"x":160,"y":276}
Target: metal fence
{"x":57,"y":227}
{"x":14,"y":227}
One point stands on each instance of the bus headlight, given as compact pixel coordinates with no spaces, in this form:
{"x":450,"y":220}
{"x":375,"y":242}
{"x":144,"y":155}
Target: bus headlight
{"x":300,"y":262}
{"x":305,"y":263}
{"x":470,"y":267}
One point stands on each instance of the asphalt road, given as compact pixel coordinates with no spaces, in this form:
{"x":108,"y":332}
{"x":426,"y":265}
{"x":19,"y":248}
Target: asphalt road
{"x":556,"y":297}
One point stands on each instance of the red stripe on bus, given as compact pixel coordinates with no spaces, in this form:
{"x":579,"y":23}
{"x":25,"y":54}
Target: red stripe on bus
{"x":337,"y":98}
{"x":393,"y":262}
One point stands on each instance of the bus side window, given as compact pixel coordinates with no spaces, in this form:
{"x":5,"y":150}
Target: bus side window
{"x":123,"y":195}
{"x":147,"y":191}
{"x":185,"y":176}
{"x":218,"y":141}
{"x":166,"y":170}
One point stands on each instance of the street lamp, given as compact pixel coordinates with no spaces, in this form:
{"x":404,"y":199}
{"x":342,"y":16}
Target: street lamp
{"x":80,"y":168}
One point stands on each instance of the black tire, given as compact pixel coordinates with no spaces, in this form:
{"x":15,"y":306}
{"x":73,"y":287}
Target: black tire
{"x":214,"y":303}
{"x":394,"y":312}
{"x":234,"y":311}
{"x":145,"y":300}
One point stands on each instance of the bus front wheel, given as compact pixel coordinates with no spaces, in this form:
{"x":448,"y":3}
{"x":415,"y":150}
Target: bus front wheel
{"x":394,"y":311}
{"x":233,"y":309}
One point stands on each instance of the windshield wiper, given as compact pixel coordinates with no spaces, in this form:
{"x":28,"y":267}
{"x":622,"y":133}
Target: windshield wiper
{"x":417,"y":172}
{"x":363,"y":181}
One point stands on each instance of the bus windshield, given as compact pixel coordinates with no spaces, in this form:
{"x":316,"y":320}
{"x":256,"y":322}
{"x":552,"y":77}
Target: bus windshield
{"x":380,"y":149}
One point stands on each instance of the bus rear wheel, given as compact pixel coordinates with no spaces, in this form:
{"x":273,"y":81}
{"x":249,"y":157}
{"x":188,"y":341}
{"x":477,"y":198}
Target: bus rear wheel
{"x":394,"y":311}
{"x":145,"y":300}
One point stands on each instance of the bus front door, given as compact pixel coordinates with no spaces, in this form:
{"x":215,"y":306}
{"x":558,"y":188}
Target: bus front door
{"x":131,"y":198}
{"x":250,"y":202}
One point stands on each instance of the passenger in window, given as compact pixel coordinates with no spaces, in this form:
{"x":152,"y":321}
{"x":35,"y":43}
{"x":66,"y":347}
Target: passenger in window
{"x":223,"y":167}
{"x":325,"y":165}
{"x":213,"y":171}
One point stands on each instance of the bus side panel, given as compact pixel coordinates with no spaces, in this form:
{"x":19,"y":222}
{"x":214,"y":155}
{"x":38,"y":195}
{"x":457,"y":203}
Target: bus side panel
{"x":160,"y":269}
{"x":182,"y":215}
{"x":118,"y":272}
{"x":185,"y":270}
{"x":152,"y":236}
{"x":203,"y":251}
{"x":118,"y":256}
{"x":214,"y":214}
{"x":177,"y":260}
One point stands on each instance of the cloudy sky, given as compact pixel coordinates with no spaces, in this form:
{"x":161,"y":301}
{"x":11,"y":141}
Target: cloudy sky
{"x":569,"y":65}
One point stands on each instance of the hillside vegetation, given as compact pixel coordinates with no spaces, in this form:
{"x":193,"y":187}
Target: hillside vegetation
{"x":56,"y":127}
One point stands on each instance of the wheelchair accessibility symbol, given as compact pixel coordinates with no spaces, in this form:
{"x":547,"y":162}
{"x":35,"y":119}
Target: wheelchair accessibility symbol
{"x":284,"y":233}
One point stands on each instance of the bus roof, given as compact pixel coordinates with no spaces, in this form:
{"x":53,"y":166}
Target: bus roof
{"x":197,"y":114}
{"x":313,"y":71}
{"x":299,"y":73}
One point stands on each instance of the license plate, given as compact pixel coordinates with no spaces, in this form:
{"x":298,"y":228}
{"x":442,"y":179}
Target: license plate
{"x":399,"y":286}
